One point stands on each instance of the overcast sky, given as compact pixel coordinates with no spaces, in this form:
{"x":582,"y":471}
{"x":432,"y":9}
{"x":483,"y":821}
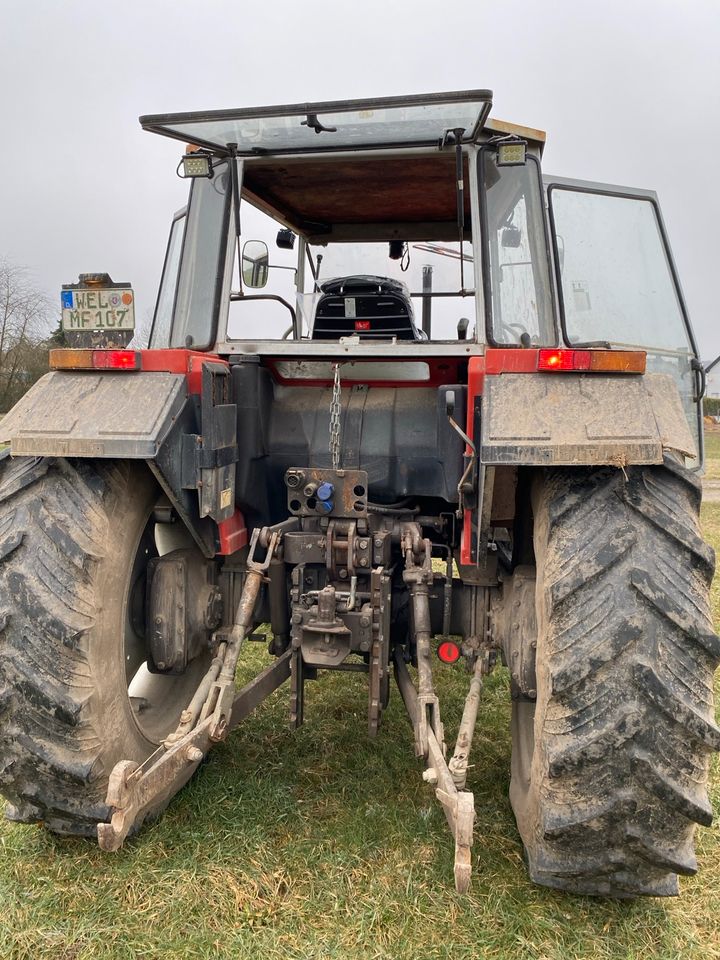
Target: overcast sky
{"x":628,"y":92}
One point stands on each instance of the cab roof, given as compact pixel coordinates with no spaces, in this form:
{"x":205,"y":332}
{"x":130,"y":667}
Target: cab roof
{"x":292,"y":170}
{"x":411,"y":121}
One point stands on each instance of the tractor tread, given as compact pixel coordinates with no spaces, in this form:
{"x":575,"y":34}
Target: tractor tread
{"x":624,"y":723}
{"x":51,"y":512}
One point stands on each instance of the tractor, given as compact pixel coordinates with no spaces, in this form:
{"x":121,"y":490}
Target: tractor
{"x":455,"y":417}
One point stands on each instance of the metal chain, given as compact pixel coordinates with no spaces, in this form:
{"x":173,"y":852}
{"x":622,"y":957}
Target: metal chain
{"x":335,"y":408}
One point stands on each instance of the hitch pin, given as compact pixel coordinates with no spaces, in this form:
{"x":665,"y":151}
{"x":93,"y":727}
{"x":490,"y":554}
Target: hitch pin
{"x":341,"y":595}
{"x":351,"y":596}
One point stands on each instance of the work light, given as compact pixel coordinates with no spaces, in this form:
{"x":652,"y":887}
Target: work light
{"x":196,"y":165}
{"x":511,"y":153}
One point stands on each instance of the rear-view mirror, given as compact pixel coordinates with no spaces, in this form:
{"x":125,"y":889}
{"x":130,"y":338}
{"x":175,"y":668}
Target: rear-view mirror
{"x":255,"y":263}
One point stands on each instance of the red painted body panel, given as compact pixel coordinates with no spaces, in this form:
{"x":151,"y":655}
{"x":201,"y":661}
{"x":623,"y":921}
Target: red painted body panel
{"x":189,"y":362}
{"x":501,"y":360}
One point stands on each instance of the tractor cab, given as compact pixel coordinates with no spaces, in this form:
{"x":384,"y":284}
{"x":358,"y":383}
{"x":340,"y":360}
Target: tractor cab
{"x":349,"y":194}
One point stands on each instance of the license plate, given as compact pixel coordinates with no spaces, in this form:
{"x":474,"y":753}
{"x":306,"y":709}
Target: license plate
{"x":110,"y":309}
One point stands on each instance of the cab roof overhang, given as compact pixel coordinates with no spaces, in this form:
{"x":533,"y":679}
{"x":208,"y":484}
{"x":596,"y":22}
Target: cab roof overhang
{"x":354,"y":169}
{"x":410,"y":197}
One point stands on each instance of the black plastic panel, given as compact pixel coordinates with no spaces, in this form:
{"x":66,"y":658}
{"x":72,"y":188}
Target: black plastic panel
{"x":399,"y":435}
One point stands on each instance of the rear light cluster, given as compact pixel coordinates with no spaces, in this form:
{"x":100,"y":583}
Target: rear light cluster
{"x":95,"y":359}
{"x":591,"y":361}
{"x":553,"y":360}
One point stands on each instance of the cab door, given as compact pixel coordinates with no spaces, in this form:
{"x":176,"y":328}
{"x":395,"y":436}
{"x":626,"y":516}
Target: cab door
{"x":617,"y":282}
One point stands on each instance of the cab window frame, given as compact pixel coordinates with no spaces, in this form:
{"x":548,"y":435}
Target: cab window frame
{"x":223,"y":240}
{"x":165,"y":277}
{"x":645,"y":196}
{"x":545,"y":259}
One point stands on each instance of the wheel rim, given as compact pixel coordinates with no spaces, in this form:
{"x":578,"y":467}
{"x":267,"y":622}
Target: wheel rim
{"x":155,"y":700}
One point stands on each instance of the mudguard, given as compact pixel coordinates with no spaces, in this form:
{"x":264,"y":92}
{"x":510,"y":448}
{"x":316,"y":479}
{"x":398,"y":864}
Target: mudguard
{"x":570,"y":419}
{"x":99,"y":415}
{"x":188,"y":442}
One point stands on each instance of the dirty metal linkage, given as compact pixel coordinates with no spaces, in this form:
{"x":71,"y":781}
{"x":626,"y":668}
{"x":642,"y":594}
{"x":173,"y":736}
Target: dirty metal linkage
{"x":215,"y":709}
{"x":378,"y":665}
{"x":132,"y":791}
{"x":419,"y":578}
{"x":459,"y":805}
{"x":423,"y":708}
{"x":458,"y":765}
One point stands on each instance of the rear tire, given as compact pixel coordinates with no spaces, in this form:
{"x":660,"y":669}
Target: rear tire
{"x":74,"y":543}
{"x":610,"y":765}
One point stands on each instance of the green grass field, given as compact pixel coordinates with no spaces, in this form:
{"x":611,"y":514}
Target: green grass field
{"x":712,"y":454}
{"x":321,"y":844}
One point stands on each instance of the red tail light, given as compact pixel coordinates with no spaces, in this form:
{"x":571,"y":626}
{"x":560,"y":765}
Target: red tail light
{"x":116,"y":359}
{"x":362,"y":324}
{"x":563,"y":360}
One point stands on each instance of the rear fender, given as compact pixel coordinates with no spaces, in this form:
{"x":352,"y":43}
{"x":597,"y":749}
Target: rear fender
{"x":100,"y":415}
{"x":571,"y":419}
{"x":564,"y":419}
{"x":182,"y":424}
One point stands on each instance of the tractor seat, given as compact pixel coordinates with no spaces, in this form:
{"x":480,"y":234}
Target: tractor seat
{"x":372,"y":308}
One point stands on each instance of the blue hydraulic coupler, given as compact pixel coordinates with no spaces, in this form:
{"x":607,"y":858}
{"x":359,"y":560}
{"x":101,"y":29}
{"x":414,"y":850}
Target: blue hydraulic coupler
{"x":325,"y":491}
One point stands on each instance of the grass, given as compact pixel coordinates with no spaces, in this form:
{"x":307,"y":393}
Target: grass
{"x":322,"y":844}
{"x":712,"y":454}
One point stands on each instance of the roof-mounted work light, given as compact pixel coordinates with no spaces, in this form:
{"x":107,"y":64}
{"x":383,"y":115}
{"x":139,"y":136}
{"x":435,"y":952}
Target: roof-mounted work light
{"x":511,"y":153}
{"x":195,"y":163}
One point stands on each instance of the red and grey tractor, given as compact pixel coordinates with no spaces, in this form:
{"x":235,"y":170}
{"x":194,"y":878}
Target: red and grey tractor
{"x":456,"y":414}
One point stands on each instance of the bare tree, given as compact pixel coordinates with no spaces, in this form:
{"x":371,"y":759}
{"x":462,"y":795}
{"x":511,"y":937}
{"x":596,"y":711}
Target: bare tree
{"x":141,"y":340}
{"x":24,"y":329}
